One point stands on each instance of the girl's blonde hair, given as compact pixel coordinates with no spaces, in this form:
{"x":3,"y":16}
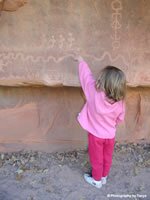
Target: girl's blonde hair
{"x":113,"y":82}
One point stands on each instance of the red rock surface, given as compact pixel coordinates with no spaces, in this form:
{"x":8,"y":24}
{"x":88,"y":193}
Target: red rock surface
{"x":11,"y":5}
{"x":45,"y":118}
{"x":36,"y":45}
{"x":37,"y":41}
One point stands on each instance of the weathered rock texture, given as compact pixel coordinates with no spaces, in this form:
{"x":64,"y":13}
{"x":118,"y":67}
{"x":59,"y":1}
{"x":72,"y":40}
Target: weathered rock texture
{"x":36,"y":46}
{"x":11,"y":5}
{"x":36,"y":41}
{"x":45,"y":118}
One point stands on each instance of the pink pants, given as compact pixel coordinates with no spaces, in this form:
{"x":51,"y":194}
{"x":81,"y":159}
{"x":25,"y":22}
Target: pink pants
{"x":100,"y":155}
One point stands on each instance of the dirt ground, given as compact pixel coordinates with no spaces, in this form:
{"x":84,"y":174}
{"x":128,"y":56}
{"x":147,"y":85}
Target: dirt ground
{"x":59,"y":176}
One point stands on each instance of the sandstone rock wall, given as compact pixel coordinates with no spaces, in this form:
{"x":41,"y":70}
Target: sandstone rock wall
{"x":36,"y":46}
{"x":45,"y":118}
{"x":37,"y":41}
{"x":11,"y":5}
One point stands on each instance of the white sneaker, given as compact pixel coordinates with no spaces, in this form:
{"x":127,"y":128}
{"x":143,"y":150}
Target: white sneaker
{"x":104,"y":180}
{"x":90,"y":180}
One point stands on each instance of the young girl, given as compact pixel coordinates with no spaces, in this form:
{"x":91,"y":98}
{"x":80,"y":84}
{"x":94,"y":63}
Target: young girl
{"x":103,"y":111}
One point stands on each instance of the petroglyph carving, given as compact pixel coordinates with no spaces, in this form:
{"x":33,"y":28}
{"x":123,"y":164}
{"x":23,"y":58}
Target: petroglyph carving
{"x":70,"y":40}
{"x":60,"y":42}
{"x":13,"y":56}
{"x":51,"y":42}
{"x":51,"y":50}
{"x":112,"y":59}
{"x":116,"y":6}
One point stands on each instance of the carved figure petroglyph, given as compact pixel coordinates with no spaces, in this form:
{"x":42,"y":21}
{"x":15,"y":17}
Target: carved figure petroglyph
{"x":61,"y":41}
{"x":116,"y":6}
{"x":70,"y":40}
{"x":51,"y":42}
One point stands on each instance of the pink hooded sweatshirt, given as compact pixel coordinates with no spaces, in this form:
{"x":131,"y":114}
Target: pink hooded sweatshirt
{"x":98,"y":116}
